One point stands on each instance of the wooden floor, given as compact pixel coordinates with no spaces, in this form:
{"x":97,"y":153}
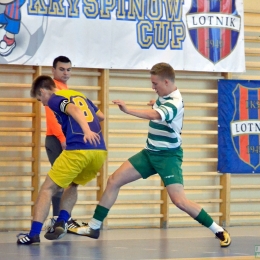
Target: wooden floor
{"x":138,"y":244}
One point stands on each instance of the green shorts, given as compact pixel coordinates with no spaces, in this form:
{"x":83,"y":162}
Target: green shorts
{"x":166,"y":163}
{"x":77,"y":166}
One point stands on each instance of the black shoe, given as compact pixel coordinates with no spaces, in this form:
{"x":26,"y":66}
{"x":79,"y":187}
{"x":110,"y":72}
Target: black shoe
{"x":86,"y":230}
{"x":72,"y":224}
{"x":57,"y":231}
{"x":224,"y":237}
{"x":26,"y":240}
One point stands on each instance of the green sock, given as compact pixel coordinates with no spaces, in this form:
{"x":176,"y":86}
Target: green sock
{"x":204,"y":218}
{"x":100,"y":213}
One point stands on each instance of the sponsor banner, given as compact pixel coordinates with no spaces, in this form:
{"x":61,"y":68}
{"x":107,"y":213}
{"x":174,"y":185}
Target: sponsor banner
{"x":197,"y":35}
{"x":238,"y":126}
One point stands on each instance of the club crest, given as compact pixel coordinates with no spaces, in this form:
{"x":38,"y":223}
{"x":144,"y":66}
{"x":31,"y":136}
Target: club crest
{"x":214,"y":27}
{"x":245,"y":125}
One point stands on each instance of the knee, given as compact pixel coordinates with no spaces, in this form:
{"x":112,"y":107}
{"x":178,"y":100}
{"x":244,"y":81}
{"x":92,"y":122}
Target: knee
{"x":111,"y":182}
{"x":51,"y":189}
{"x":180,"y":203}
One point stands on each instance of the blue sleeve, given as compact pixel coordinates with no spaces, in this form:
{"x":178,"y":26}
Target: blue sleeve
{"x":91,"y":104}
{"x":58,"y":103}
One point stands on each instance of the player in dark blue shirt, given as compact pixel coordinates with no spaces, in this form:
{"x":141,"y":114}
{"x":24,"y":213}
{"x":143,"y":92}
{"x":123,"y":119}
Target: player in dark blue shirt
{"x":79,"y":163}
{"x":59,"y":101}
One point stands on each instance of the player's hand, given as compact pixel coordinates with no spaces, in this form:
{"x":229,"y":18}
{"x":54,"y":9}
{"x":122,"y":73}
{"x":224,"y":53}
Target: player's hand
{"x":92,"y":137}
{"x":151,"y":102}
{"x":121,"y":104}
{"x":63,"y":145}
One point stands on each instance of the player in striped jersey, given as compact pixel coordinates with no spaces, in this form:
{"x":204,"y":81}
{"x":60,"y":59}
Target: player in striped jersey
{"x":162,"y":154}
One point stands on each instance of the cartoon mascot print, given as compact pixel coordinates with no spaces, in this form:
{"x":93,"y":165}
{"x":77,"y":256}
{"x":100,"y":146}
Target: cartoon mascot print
{"x":10,"y":21}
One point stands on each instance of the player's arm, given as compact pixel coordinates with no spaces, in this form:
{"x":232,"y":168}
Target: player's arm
{"x":78,"y":115}
{"x":149,"y":114}
{"x":59,"y":134}
{"x":100,"y":116}
{"x":151,"y":102}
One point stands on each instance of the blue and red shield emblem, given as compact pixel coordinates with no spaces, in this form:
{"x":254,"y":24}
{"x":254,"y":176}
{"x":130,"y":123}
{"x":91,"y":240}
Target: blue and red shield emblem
{"x":214,"y":27}
{"x":245,"y":125}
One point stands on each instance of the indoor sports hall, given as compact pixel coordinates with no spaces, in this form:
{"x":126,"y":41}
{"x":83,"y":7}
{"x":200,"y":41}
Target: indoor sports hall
{"x":143,"y":224}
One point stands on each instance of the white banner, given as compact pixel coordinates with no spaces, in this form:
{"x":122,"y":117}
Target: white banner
{"x":196,"y":35}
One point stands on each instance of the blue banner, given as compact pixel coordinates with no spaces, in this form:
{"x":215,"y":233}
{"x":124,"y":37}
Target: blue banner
{"x":239,"y":126}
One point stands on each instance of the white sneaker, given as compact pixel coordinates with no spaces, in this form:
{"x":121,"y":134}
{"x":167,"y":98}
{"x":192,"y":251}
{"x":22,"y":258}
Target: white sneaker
{"x":86,"y":230}
{"x":6,"y":49}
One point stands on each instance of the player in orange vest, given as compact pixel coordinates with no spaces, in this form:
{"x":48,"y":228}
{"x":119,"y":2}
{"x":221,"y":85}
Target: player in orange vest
{"x":55,"y":141}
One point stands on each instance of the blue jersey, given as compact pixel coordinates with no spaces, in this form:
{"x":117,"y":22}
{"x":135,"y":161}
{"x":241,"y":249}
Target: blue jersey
{"x":71,"y":129}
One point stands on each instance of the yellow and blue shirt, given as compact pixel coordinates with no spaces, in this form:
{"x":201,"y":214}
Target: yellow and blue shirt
{"x":71,"y":129}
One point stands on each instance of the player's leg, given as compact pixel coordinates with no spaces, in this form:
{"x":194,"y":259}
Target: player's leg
{"x":81,"y":167}
{"x":135,"y":168}
{"x":169,"y":168}
{"x":53,"y":150}
{"x":41,"y":211}
{"x":64,"y":222}
{"x":65,"y":169}
{"x":126,"y":173}
{"x":68,"y":201}
{"x":69,"y":197}
{"x":138,"y":166}
{"x":178,"y":197}
{"x":43,"y":201}
{"x":56,"y":200}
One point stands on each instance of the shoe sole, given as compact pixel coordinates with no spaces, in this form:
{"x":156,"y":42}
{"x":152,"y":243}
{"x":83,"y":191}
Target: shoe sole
{"x":36,"y":243}
{"x":32,"y":244}
{"x":229,"y":241}
{"x":84,"y":235}
{"x":226,"y":245}
{"x":57,"y":234}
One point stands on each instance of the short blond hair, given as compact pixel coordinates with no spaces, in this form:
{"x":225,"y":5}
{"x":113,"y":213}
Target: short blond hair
{"x":164,"y":70}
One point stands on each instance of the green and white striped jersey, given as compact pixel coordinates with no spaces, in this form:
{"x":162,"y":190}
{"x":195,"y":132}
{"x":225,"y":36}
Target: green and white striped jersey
{"x":165,"y":134}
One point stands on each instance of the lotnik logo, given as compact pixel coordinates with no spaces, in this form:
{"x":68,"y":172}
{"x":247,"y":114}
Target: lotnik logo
{"x":245,"y":125}
{"x":214,"y":27}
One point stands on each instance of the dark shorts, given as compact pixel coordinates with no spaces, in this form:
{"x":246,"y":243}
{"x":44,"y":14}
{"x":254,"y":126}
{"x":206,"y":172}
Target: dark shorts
{"x":53,"y":148}
{"x":166,"y":163}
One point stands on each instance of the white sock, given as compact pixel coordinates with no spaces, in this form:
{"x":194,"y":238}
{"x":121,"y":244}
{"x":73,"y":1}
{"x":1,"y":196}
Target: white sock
{"x":94,"y":223}
{"x":215,"y":228}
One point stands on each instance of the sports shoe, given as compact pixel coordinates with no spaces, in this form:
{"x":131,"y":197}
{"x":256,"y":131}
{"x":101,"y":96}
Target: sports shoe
{"x":86,"y":230}
{"x":49,"y":223}
{"x":72,"y":224}
{"x":57,"y":231}
{"x":26,"y":240}
{"x":6,"y":49}
{"x":224,"y":237}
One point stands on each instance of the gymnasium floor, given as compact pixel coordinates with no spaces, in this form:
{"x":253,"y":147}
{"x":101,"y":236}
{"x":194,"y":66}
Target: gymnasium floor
{"x":137,"y":244}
